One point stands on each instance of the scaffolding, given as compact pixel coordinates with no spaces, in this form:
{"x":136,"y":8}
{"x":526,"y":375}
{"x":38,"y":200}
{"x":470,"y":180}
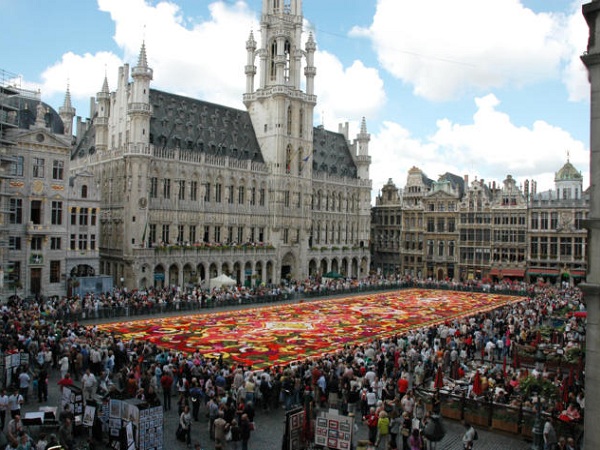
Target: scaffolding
{"x":10,"y":90}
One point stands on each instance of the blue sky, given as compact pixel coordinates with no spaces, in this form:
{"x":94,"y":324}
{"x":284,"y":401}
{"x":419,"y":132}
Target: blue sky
{"x":479,"y":87}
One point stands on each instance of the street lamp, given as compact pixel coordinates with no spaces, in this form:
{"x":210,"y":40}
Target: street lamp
{"x":538,"y":427}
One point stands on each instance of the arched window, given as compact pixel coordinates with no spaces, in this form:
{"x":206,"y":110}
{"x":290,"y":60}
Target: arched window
{"x":273,"y":69}
{"x":301,"y":123}
{"x":84,"y":191}
{"x":287,"y":53}
{"x":300,"y":160}
{"x":289,"y":120}
{"x":288,"y":159}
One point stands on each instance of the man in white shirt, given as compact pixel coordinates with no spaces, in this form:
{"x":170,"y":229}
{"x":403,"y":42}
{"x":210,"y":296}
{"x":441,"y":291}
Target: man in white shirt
{"x":15,"y":400}
{"x":3,"y":408}
{"x":24,"y":381}
{"x":89,"y":383}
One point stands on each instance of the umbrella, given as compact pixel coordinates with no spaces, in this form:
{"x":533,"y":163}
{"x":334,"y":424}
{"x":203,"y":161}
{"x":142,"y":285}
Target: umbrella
{"x":477,"y":390}
{"x":438,"y":382}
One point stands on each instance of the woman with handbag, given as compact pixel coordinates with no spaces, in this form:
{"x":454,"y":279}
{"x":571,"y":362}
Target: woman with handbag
{"x":185,"y":423}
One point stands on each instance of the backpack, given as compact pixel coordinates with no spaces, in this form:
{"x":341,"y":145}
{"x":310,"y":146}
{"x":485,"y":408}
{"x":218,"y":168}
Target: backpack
{"x":475,"y":435}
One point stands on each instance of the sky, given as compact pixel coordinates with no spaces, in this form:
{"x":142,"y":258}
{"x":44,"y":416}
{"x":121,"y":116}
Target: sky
{"x":484,"y":88}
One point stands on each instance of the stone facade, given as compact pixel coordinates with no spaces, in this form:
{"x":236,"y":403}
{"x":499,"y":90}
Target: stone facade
{"x":49,"y":226}
{"x":191,"y":189}
{"x":456,"y":230}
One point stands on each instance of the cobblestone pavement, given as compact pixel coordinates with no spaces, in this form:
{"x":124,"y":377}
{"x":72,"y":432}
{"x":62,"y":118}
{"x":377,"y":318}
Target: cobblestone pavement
{"x":270,"y":428}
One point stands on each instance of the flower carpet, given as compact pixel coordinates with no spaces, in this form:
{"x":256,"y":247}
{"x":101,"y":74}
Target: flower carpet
{"x":278,"y":335}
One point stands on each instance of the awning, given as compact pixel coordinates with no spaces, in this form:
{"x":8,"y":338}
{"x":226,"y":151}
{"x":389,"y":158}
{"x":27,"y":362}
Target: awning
{"x":545,"y":272}
{"x":578,"y":273}
{"x":494,"y":273}
{"x":512,"y":272}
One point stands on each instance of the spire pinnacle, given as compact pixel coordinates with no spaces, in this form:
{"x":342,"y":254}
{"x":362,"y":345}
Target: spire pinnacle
{"x":143,"y":60}
{"x":67,"y":103}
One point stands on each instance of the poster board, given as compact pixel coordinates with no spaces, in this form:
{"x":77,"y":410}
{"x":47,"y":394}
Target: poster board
{"x":88,"y":416}
{"x":295,"y":430}
{"x":334,"y":431}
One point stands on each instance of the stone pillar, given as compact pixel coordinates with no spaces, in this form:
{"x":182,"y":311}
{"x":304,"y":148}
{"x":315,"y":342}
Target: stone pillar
{"x":591,"y":288}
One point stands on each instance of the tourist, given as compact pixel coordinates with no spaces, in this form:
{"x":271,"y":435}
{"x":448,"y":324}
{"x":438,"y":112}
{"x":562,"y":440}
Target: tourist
{"x":246,"y":428}
{"x":185,"y":422}
{"x":468,"y":438}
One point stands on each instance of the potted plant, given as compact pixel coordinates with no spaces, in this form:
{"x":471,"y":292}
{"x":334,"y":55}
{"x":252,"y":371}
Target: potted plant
{"x":505,"y":419}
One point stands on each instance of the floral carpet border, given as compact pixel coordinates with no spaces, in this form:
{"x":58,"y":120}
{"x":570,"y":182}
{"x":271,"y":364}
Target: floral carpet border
{"x":279,"y":335}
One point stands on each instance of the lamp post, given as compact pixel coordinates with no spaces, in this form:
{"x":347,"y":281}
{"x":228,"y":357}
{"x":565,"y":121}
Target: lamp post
{"x":538,"y":427}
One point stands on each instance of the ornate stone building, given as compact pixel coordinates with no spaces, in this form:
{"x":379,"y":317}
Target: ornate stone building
{"x":557,"y":237}
{"x":192,"y":189}
{"x":453,"y":229}
{"x":49,"y":226}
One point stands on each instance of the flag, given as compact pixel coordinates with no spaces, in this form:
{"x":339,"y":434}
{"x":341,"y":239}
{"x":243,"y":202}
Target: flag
{"x":144,"y":234}
{"x":306,"y":158}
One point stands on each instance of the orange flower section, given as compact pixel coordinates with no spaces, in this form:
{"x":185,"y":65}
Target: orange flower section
{"x":279,"y":335}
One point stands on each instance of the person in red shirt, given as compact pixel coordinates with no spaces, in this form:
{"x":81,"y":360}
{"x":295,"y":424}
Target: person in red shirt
{"x":66,"y":381}
{"x":402,"y":385}
{"x":372,"y":419}
{"x":166,"y":381}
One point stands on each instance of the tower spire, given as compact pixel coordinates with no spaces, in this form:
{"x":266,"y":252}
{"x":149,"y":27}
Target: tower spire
{"x":67,"y":112}
{"x":142,"y":59}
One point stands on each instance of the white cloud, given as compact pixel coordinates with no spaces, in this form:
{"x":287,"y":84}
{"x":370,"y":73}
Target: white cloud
{"x":446,"y":49}
{"x":489,"y":147}
{"x":199,"y":59}
{"x":84,"y":73}
{"x":349,"y":92}
{"x":203,"y":60}
{"x":575,"y":75}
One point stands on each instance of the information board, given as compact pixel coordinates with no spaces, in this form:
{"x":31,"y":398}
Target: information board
{"x":334,"y":431}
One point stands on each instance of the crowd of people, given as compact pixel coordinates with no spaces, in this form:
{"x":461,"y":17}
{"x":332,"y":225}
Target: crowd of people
{"x":121,"y":301}
{"x":385,"y":384}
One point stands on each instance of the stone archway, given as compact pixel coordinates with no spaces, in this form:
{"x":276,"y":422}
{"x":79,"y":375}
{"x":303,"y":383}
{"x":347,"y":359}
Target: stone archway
{"x":237,"y":272}
{"x":258,"y":273}
{"x":344,"y":268}
{"x":200,"y":273}
{"x":269,"y":274}
{"x":248,"y":274}
{"x":159,"y":276}
{"x":323,"y":267}
{"x":440,"y":274}
{"x":334,"y":265}
{"x":225,"y":269}
{"x":288,"y":267}
{"x":213,"y":271}
{"x":313,"y":268}
{"x":173,"y":275}
{"x":189,"y":275}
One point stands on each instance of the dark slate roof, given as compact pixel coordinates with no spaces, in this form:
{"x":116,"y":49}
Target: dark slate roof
{"x":197,"y":125}
{"x":86,"y":145}
{"x":27,"y":110}
{"x":426,"y":180}
{"x":457,"y":181}
{"x":331,"y":154}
